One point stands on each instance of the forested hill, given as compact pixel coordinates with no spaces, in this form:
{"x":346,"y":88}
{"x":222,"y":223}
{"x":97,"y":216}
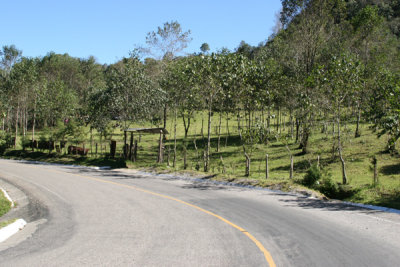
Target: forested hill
{"x":389,"y":9}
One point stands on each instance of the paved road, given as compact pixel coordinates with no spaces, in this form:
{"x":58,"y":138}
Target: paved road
{"x":80,"y":216}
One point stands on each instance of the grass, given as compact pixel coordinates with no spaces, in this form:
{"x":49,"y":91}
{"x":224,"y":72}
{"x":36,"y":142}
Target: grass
{"x":5,"y":204}
{"x":357,"y":153}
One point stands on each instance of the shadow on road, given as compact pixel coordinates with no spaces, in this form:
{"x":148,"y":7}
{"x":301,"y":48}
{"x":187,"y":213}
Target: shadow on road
{"x":310,"y":203}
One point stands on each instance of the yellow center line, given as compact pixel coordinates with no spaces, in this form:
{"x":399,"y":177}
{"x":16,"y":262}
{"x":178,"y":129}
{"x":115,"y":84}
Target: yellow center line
{"x":267,"y":255}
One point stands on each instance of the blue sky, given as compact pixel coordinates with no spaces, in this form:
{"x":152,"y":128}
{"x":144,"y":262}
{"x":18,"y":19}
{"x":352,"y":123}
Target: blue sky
{"x":108,"y":30}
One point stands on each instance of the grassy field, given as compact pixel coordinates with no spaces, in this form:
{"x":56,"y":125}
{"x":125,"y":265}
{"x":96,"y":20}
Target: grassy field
{"x":358,"y":153}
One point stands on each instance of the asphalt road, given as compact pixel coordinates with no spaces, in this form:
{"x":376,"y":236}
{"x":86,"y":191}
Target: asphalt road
{"x":80,"y":216}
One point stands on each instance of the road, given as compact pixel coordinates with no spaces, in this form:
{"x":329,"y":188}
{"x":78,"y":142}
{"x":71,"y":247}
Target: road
{"x":81,"y":216}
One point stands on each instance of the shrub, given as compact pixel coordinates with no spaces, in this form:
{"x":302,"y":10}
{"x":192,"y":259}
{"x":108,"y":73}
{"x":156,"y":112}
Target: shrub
{"x":328,"y":187}
{"x":25,"y":143}
{"x":5,"y":141}
{"x":312,"y":176}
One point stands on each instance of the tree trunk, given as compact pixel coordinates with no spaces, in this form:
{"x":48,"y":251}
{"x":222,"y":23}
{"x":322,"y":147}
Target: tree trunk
{"x":269,"y":118}
{"x":344,"y":175}
{"x":165,"y":117}
{"x":168,"y":152}
{"x":291,"y":167}
{"x":277,"y":120}
{"x":175,"y":118}
{"x":227,"y":130}
{"x":297,"y":130}
{"x":197,"y":167}
{"x":160,"y":149}
{"x":186,"y":125}
{"x":291,"y":124}
{"x":184,"y":156}
{"x":266,"y":167}
{"x":125,"y":150}
{"x":239,"y":122}
{"x":207,"y":163}
{"x":131,"y":147}
{"x":23,"y":124}
{"x":135,"y":151}
{"x":16,"y":126}
{"x":248,"y":162}
{"x":202,"y":125}
{"x":375,"y":163}
{"x":304,"y":141}
{"x":358,"y":133}
{"x":219,"y":131}
{"x":91,"y":141}
{"x":33,"y":128}
{"x":262,"y":117}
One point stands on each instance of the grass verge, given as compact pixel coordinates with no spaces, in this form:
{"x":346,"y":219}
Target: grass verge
{"x":5,"y":204}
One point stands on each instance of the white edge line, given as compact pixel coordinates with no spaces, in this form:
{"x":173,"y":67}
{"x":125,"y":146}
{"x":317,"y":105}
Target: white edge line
{"x":11,"y":229}
{"x":8,"y":197}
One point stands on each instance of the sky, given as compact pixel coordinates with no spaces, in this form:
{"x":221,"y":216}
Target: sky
{"x":109,"y":30}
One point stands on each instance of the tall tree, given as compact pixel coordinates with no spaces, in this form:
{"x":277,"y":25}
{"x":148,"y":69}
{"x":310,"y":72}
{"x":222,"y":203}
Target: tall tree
{"x":164,"y":45}
{"x":9,"y":56}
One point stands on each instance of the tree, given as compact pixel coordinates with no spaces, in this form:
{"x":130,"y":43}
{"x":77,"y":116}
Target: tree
{"x":340,"y":79}
{"x":129,"y":96}
{"x":384,"y":106}
{"x":9,"y":56}
{"x":204,"y":48}
{"x":290,"y":9}
{"x":245,"y":49}
{"x":165,"y":44}
{"x":167,"y":41}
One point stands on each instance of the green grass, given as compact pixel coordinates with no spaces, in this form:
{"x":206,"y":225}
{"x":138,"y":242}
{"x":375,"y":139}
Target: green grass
{"x":5,"y":205}
{"x":357,"y":153}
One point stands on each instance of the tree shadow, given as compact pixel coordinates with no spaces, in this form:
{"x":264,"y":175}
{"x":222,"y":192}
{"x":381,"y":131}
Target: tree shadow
{"x":302,"y":165}
{"x":390,"y":169}
{"x":312,"y":203}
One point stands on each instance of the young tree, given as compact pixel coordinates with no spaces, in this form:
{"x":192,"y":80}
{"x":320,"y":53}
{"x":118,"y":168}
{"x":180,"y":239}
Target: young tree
{"x":9,"y":56}
{"x":164,"y":45}
{"x":129,"y":96}
{"x":341,"y":79}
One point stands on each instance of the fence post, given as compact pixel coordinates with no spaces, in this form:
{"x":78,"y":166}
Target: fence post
{"x":291,"y":167}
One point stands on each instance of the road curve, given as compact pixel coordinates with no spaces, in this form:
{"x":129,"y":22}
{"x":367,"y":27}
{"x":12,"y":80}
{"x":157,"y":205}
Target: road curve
{"x":121,"y":217}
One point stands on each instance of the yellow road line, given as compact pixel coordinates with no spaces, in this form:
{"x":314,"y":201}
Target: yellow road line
{"x":267,"y":255}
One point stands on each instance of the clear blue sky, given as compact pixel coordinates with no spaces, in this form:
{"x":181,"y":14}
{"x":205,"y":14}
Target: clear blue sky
{"x":108,"y":30}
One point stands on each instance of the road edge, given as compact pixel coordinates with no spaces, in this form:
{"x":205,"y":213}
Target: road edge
{"x":214,"y":182}
{"x":13,"y":228}
{"x":180,"y":176}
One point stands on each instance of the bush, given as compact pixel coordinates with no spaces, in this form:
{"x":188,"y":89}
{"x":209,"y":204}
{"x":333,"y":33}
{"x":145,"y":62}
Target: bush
{"x":312,"y":176}
{"x":5,"y":141}
{"x":328,"y":187}
{"x":25,"y":143}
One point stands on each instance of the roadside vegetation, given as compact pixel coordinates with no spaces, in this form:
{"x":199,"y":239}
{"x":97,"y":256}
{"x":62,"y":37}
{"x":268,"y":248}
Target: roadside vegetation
{"x":5,"y":205}
{"x":315,"y":106}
